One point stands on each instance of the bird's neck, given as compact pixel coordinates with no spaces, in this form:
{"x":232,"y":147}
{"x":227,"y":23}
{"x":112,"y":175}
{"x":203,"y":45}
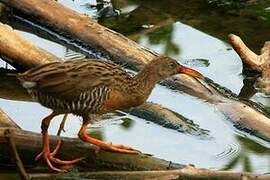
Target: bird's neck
{"x":146,"y":80}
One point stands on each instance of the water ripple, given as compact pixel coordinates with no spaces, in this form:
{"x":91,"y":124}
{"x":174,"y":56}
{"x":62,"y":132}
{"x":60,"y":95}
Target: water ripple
{"x":230,"y":150}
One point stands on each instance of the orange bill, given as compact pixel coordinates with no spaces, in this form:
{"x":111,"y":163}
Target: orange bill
{"x":189,"y":71}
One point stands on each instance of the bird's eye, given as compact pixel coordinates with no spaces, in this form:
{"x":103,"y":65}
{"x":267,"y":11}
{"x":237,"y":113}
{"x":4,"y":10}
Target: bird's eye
{"x":172,"y":64}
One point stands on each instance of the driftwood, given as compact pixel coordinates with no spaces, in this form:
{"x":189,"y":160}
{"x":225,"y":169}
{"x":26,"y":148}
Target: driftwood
{"x":105,"y":160}
{"x":119,"y":48}
{"x":14,"y":153}
{"x":110,"y":161}
{"x":260,"y":63}
{"x":186,"y":173}
{"x":25,"y":50}
{"x":149,"y":167}
{"x":29,"y":145}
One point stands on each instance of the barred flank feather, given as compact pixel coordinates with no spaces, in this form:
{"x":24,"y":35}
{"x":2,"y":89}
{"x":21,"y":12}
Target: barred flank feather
{"x":78,"y":86}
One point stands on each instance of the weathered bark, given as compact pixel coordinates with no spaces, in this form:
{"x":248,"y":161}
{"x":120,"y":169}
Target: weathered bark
{"x":187,"y":173}
{"x":88,"y":31}
{"x":19,"y":52}
{"x":260,"y":63}
{"x":248,"y":57}
{"x":29,"y":144}
{"x":15,"y":155}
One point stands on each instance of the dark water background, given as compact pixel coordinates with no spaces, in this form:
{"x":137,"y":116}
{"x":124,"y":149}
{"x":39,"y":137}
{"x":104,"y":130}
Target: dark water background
{"x":195,"y":33}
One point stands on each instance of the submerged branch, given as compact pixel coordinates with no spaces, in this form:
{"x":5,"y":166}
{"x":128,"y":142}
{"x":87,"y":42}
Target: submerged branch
{"x":248,"y":57}
{"x":260,"y":63}
{"x":19,"y":52}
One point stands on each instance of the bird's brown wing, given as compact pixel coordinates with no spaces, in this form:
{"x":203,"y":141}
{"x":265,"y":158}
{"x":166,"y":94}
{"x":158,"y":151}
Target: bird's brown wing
{"x":69,"y":79}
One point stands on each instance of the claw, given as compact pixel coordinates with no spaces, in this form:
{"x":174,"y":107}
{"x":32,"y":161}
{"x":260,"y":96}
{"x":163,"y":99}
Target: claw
{"x":49,"y":156}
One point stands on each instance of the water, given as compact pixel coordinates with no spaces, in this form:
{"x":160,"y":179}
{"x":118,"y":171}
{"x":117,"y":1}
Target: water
{"x":187,"y":39}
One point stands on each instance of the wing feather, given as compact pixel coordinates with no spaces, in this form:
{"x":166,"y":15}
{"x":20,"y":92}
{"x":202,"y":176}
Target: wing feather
{"x":67,"y":80}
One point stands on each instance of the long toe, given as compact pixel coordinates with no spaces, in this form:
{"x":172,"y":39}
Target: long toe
{"x":119,"y":149}
{"x":50,"y":159}
{"x":47,"y":159}
{"x":55,"y":151}
{"x":64,"y":162}
{"x":125,"y":147}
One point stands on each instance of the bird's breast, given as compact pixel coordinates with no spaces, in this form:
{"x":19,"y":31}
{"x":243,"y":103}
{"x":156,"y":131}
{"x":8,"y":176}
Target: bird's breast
{"x":120,"y":100}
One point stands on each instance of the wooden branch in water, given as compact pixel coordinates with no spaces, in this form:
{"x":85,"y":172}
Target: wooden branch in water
{"x":187,"y":173}
{"x":260,"y":63}
{"x":19,"y":52}
{"x":167,"y":118}
{"x":29,"y":145}
{"x":86,"y":30}
{"x":248,"y":57}
{"x":106,"y":164}
{"x":15,"y":154}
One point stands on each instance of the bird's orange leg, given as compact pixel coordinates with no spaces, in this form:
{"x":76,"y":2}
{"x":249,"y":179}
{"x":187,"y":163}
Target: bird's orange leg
{"x":48,"y":156}
{"x":103,"y":145}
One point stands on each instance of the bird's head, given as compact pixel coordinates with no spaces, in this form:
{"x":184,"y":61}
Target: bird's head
{"x":166,"y":67}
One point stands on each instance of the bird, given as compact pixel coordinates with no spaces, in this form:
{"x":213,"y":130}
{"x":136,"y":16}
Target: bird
{"x":88,"y":87}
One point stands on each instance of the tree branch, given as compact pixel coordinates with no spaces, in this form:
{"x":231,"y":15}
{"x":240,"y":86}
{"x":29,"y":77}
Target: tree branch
{"x":260,"y":63}
{"x":29,"y":144}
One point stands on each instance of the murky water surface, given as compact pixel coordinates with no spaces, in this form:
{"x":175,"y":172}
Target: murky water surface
{"x":186,"y":37}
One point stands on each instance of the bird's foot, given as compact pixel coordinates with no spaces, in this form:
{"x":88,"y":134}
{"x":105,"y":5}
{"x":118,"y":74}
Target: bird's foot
{"x":119,"y":148}
{"x":49,"y":158}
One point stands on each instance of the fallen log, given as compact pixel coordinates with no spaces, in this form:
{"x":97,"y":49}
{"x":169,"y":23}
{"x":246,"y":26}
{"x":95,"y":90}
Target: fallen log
{"x":119,"y":48}
{"x":187,"y":173}
{"x":260,"y":63}
{"x":29,"y":145}
{"x":27,"y":55}
{"x":86,"y":30}
{"x":101,"y":165}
